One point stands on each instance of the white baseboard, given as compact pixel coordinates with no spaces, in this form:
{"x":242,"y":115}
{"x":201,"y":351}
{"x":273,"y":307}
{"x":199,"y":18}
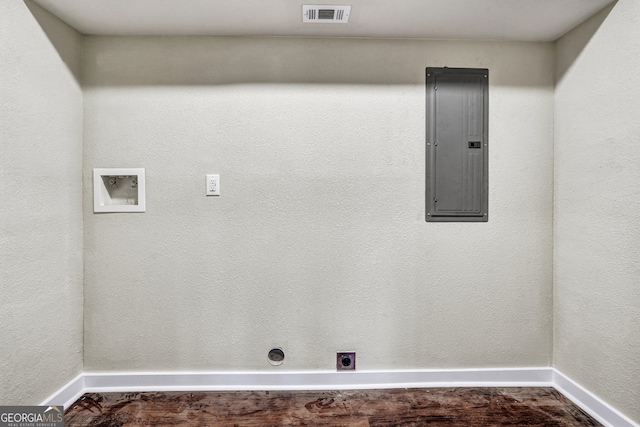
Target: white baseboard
{"x":68,"y":394}
{"x":589,"y":402}
{"x":316,"y":380}
{"x":332,"y":380}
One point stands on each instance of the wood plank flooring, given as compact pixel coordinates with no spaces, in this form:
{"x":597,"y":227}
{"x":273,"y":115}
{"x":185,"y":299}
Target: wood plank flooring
{"x":451,"y":407}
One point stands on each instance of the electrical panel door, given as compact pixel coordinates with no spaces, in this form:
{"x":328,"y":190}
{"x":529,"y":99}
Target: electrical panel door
{"x":457,"y":144}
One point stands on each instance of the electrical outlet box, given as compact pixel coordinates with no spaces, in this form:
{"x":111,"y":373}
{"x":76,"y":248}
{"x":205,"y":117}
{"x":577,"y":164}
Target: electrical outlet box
{"x":346,"y":361}
{"x":119,"y":190}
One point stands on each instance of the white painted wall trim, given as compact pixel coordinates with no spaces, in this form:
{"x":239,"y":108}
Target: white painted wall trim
{"x":298,"y":380}
{"x":68,"y":394}
{"x":316,"y":380}
{"x":331,"y":380}
{"x":589,"y":402}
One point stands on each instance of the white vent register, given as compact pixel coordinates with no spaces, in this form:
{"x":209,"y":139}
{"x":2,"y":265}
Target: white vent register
{"x":326,"y":14}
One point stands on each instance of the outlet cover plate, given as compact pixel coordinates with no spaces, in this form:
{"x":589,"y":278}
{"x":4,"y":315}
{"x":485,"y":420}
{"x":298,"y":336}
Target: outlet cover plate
{"x":346,"y":361}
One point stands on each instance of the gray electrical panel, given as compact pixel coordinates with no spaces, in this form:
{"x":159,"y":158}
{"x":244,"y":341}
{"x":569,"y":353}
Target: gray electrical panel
{"x":457,"y":118}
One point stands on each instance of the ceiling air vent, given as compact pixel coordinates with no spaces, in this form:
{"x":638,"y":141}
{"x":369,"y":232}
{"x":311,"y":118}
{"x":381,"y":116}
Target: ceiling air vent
{"x":325,"y":14}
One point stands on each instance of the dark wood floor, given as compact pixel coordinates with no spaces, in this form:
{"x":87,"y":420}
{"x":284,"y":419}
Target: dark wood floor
{"x":459,"y":407}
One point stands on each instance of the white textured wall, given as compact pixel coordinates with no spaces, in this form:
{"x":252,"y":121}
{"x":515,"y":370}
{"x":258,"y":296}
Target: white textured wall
{"x":40,"y":204}
{"x":318,"y":242}
{"x":597,"y":205}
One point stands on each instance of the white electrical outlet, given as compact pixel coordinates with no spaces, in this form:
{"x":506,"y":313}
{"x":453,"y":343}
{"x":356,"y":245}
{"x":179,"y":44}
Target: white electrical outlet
{"x":213,"y":185}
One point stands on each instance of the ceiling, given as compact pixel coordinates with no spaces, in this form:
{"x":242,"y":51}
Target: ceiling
{"x":517,"y":20}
